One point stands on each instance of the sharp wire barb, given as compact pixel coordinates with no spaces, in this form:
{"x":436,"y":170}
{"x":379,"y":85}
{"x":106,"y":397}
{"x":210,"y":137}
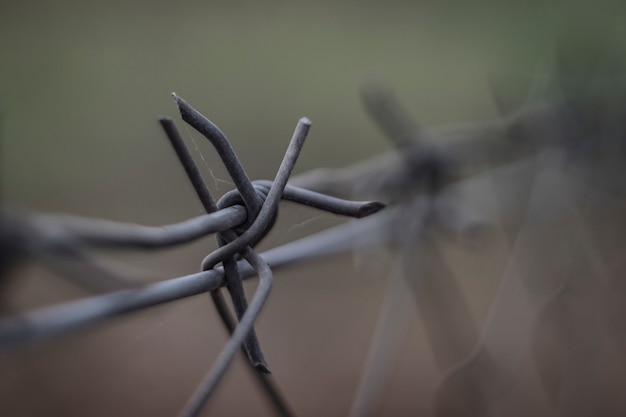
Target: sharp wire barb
{"x":225,"y":151}
{"x":263,"y":218}
{"x":186,"y":160}
{"x":258,"y":226}
{"x":233,"y":282}
{"x":269,"y":206}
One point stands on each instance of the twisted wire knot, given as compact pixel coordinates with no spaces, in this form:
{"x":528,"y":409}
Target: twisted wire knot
{"x":233,"y":198}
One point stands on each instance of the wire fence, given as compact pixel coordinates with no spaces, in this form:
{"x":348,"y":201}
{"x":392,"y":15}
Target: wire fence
{"x":561,"y":317}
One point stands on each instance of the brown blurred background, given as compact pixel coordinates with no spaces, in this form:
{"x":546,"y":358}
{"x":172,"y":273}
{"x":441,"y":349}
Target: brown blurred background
{"x":81,"y":86}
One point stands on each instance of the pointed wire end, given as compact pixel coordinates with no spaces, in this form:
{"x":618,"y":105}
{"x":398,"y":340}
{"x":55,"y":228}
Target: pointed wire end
{"x":369,"y":208}
{"x":187,"y":112}
{"x":179,"y":101}
{"x":168,"y":125}
{"x":300,"y":133}
{"x":304,"y":121}
{"x":182,"y":105}
{"x":262,"y":367}
{"x":302,"y":129}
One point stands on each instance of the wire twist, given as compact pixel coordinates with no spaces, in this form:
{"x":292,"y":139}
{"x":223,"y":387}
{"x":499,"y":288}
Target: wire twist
{"x":240,"y":219}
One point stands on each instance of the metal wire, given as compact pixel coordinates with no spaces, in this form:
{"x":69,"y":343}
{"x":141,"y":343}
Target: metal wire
{"x":422,"y":178}
{"x":225,"y":151}
{"x":55,"y":321}
{"x":251,"y":346}
{"x":241,"y":244}
{"x":240,"y":219}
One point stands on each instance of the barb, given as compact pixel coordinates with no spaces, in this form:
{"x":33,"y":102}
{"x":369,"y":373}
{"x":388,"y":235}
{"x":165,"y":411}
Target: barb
{"x":258,"y":227}
{"x":271,"y":203}
{"x":392,"y":118}
{"x":225,"y":151}
{"x":240,"y":219}
{"x":327,"y":203}
{"x":252,"y":201}
{"x":186,"y":160}
{"x":233,"y":282}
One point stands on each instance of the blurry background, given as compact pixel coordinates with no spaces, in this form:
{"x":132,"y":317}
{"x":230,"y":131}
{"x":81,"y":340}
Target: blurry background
{"x":81,"y":87}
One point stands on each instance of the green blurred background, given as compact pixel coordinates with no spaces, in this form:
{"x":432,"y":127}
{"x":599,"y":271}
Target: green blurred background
{"x":81,"y":87}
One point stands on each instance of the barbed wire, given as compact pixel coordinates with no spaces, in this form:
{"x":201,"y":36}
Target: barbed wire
{"x":422,"y":177}
{"x":570,"y":155}
{"x":240,"y":219}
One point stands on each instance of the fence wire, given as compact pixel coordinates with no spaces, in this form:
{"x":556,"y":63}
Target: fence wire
{"x":562,"y":160}
{"x":240,"y":220}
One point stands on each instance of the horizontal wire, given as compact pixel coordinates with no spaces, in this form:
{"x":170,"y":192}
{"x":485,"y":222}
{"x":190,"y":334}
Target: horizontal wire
{"x":106,"y":233}
{"x":340,"y":206}
{"x":53,"y":229}
{"x":54,"y":321}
